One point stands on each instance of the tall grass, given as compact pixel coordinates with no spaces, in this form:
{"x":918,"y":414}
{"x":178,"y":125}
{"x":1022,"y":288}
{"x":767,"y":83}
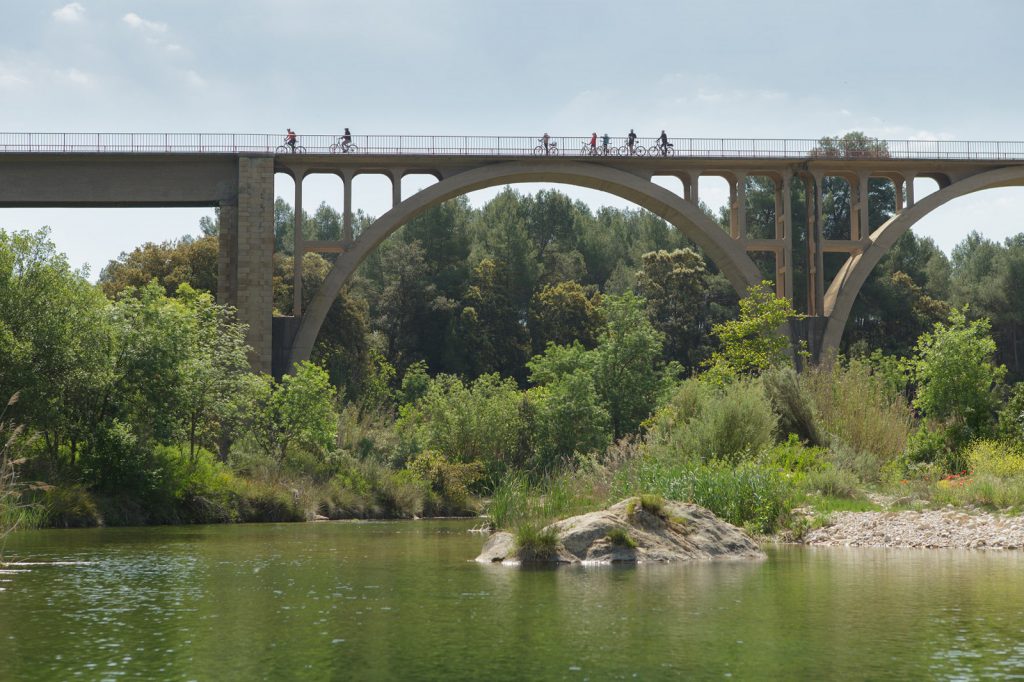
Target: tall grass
{"x":517,"y":503}
{"x":13,"y":512}
{"x":704,"y":422}
{"x":749,"y":494}
{"x":859,"y":407}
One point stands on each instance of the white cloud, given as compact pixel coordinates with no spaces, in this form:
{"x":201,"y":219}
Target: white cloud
{"x":135,"y":21}
{"x":77,"y":77}
{"x":69,"y":13}
{"x":194,"y":79}
{"x":11,"y":77}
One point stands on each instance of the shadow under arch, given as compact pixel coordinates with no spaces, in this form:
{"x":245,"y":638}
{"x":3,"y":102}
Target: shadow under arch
{"x":846,"y":286}
{"x":727,"y":254}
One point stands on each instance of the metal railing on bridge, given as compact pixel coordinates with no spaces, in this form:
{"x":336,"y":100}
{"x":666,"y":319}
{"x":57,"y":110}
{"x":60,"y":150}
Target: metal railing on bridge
{"x":510,"y":146}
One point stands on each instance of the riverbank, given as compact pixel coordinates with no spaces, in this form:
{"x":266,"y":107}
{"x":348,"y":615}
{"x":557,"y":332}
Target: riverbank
{"x":948,"y":528}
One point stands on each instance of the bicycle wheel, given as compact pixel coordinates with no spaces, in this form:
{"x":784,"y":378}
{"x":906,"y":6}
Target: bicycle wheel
{"x":335,"y":148}
{"x":538,"y":150}
{"x":299,"y":149}
{"x":639,"y":150}
{"x":282,"y":149}
{"x":352,"y":149}
{"x":553,"y":150}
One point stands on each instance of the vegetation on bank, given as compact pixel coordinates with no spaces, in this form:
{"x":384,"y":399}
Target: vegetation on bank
{"x":529,"y":352}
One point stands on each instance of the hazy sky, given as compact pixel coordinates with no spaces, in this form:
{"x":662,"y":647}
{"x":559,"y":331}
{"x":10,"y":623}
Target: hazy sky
{"x":718,"y":68}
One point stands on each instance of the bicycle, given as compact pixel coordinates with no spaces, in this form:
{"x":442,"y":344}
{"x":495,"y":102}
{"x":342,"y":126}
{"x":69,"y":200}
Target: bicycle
{"x":342,"y":147}
{"x":661,"y":150}
{"x":635,"y":150}
{"x":552,"y":149}
{"x":290,"y":149}
{"x":587,"y":150}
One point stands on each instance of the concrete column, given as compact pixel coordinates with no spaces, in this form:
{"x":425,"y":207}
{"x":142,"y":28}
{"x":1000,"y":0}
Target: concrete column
{"x":899,"y":195}
{"x":227,"y":254}
{"x":297,"y":251}
{"x":859,"y":215}
{"x":741,"y":206}
{"x":819,"y":253}
{"x":396,"y":188}
{"x":815,"y":257}
{"x":256,"y":256}
{"x":910,"y":191}
{"x":346,"y":219}
{"x":784,"y":232}
{"x":694,"y":188}
{"x":734,"y":224}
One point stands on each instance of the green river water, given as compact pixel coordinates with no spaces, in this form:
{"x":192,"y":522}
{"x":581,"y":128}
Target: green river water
{"x":402,"y":600}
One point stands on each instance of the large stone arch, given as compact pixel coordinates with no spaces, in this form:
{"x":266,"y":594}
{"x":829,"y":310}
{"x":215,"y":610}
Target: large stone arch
{"x":727,"y":254}
{"x":851,"y":277}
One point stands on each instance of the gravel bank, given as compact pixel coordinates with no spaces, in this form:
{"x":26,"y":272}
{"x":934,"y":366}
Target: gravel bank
{"x":942,"y":528}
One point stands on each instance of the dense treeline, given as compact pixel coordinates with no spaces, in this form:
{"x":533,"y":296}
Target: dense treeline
{"x":489,"y":350}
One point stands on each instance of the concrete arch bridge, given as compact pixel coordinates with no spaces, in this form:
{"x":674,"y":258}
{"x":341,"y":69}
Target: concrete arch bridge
{"x":235,"y":173}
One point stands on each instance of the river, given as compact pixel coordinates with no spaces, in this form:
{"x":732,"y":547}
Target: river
{"x":402,"y":600}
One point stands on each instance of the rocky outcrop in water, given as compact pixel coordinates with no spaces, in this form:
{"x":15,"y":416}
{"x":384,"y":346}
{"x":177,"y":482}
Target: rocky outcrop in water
{"x":629,"y":532}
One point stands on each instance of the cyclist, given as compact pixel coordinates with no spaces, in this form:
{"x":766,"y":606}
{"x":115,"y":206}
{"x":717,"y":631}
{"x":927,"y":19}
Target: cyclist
{"x":346,"y":140}
{"x":593,"y":144}
{"x":546,"y":140}
{"x":604,"y":143}
{"x":631,"y":140}
{"x":663,"y":143}
{"x":290,"y":139}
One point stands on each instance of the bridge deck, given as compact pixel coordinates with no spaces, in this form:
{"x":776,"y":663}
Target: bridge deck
{"x":515,"y":146}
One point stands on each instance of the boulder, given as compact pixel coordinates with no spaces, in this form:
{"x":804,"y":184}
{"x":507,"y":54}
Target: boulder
{"x":628,"y":532}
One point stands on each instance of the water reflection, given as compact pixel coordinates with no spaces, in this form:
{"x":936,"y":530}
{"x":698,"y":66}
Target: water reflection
{"x":403,"y":600}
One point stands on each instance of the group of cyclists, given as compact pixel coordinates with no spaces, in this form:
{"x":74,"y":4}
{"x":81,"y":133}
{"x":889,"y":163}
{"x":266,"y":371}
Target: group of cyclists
{"x":343,"y":143}
{"x":661,"y":146}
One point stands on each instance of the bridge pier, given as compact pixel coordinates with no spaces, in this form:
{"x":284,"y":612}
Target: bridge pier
{"x":246,"y":260}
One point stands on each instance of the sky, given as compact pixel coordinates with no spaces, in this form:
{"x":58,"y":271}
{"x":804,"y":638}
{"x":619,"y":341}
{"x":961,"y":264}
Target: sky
{"x":910,"y":69}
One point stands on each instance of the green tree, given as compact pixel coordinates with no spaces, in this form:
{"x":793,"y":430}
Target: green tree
{"x":957,"y":378}
{"x":568,"y":418}
{"x":296,"y":414}
{"x":482,"y":422}
{"x":754,"y":342}
{"x":171,"y":264}
{"x":493,"y":336}
{"x":57,"y":343}
{"x":674,"y":285}
{"x":563,"y":313}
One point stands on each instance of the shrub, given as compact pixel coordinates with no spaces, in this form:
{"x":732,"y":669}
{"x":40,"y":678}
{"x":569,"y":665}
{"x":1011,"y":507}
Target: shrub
{"x":536,"y":544}
{"x":70,"y":506}
{"x":263,"y":501}
{"x":706,"y":422}
{"x":863,"y":465}
{"x":984,"y":490}
{"x":996,"y":459}
{"x":449,"y":482}
{"x":792,"y":402}
{"x":620,"y":537}
{"x":860,"y":407}
{"x":568,"y":420}
{"x":652,"y":504}
{"x":481,"y":422}
{"x":956,"y":375}
{"x":832,"y":482}
{"x":794,"y":457}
